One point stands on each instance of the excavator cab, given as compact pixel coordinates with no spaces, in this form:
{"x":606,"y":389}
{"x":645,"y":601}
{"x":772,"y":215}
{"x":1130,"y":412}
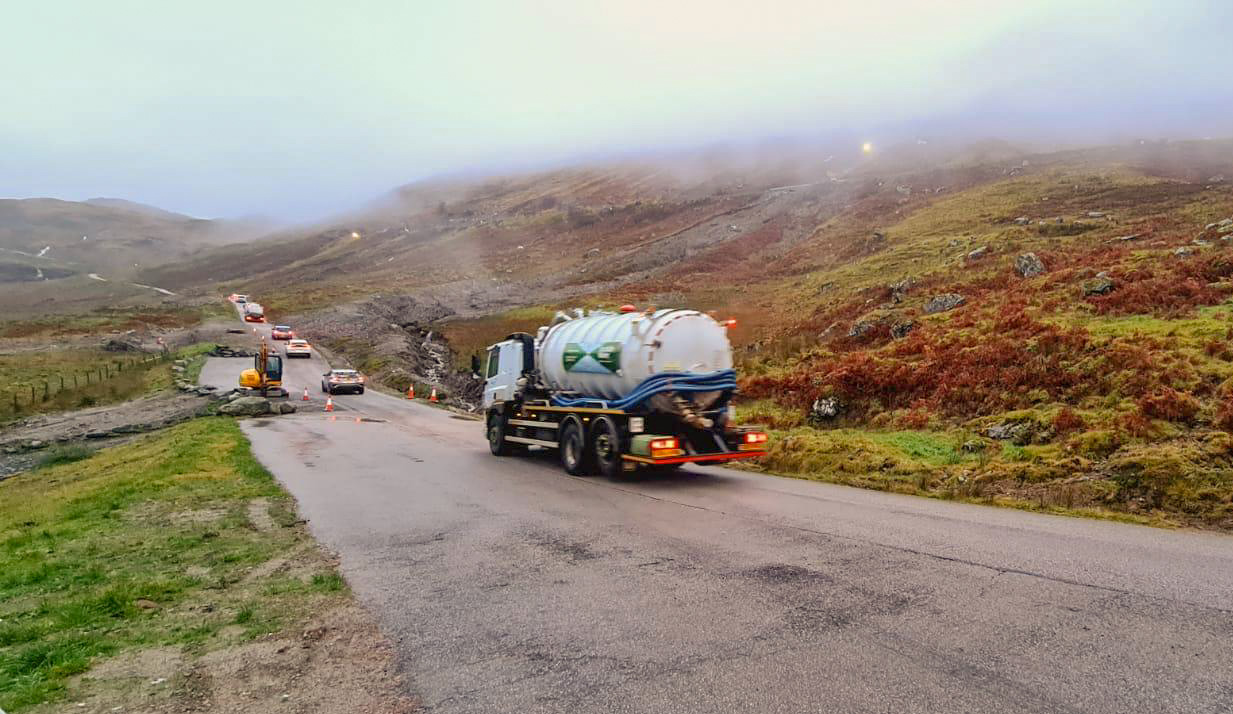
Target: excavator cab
{"x":273,"y":368}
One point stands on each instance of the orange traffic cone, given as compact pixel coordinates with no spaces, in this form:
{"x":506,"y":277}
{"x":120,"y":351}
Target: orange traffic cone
{"x":305,"y":397}
{"x":433,"y":397}
{"x":329,"y":404}
{"x":411,"y":392}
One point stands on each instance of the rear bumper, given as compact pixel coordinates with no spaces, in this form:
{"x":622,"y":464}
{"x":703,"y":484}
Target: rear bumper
{"x":344,"y":388}
{"x":305,"y":355}
{"x":694,"y":458}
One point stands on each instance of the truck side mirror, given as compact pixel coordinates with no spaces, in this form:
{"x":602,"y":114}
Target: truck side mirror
{"x":475,"y":365}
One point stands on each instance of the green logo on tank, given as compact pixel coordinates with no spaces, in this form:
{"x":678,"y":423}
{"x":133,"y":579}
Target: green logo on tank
{"x":604,"y":359}
{"x":573,"y":352}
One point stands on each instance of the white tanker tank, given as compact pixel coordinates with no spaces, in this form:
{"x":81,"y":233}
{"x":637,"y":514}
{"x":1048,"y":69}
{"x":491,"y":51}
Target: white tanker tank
{"x":607,"y":355}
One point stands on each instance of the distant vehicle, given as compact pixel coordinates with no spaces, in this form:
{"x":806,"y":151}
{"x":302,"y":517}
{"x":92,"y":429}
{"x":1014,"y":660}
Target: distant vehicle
{"x":238,"y":299}
{"x":341,"y":380}
{"x":616,"y":392}
{"x":298,"y":348}
{"x":282,"y":332}
{"x":253,"y":312}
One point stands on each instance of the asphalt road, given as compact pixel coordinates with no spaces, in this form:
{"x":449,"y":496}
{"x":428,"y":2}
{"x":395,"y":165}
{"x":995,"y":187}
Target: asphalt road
{"x":510,"y":586}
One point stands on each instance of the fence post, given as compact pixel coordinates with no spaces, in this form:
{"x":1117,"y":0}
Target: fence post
{"x":32,"y":394}
{"x":45,"y":390}
{"x":62,"y":383}
{"x":74,"y":380}
{"x":15,"y":405}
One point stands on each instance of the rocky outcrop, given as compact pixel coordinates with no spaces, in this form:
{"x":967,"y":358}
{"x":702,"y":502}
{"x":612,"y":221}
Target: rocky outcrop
{"x":900,"y":289}
{"x":900,"y":330}
{"x":1102,"y":284}
{"x":246,"y":406}
{"x":942,"y":303}
{"x":1029,"y":265}
{"x":861,"y":328}
{"x":825,"y":409}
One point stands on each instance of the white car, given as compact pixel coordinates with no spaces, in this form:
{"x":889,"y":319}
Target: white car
{"x":298,"y":348}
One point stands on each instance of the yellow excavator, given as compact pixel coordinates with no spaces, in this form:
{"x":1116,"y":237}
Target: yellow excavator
{"x":266,"y":376}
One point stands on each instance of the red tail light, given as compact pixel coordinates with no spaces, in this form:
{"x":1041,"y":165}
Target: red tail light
{"x":755,"y":437}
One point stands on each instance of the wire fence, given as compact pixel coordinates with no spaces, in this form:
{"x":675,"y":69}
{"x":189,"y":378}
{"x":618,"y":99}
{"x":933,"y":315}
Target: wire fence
{"x":79,"y":387}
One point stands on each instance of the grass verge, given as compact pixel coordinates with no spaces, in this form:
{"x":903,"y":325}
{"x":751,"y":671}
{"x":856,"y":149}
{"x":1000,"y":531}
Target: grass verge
{"x":143,"y":546}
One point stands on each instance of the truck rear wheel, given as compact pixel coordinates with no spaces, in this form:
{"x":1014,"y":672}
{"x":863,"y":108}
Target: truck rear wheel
{"x":576,"y":457}
{"x":606,"y":444}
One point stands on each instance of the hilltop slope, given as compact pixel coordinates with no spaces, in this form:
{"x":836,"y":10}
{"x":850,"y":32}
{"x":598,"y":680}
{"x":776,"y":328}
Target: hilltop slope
{"x":1043,"y":329}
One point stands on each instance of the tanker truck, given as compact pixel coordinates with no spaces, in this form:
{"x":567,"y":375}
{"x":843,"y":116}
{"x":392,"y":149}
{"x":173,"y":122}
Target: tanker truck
{"x":613,"y":393}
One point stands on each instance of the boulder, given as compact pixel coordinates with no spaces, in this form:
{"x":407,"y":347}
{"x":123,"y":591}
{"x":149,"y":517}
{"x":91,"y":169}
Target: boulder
{"x":978,"y":253}
{"x":900,"y":330}
{"x":1102,"y":284}
{"x":973,"y":446}
{"x":246,"y":406}
{"x":1227,"y":228}
{"x":1019,"y":433}
{"x":1029,"y":265}
{"x":118,"y":345}
{"x":1023,"y":221}
{"x":1095,"y":214}
{"x":900,"y":289}
{"x":286,"y":408}
{"x":1183,"y":252}
{"x":942,"y":303}
{"x":861,"y":328}
{"x":825,"y":409}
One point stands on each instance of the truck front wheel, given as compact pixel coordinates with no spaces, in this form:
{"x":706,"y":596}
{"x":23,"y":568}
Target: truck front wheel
{"x":575,"y":456}
{"x":606,"y":444}
{"x":496,"y":436}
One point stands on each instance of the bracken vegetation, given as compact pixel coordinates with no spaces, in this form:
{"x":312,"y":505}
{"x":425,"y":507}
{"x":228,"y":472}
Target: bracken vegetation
{"x":1101,"y":383}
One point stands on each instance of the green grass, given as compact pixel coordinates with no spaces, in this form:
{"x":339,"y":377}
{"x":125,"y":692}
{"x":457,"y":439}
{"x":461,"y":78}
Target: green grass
{"x":121,"y":550}
{"x":65,"y":454}
{"x":123,"y":377}
{"x":107,"y":320}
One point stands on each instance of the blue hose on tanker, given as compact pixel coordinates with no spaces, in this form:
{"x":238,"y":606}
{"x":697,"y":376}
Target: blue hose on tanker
{"x":722,"y":380}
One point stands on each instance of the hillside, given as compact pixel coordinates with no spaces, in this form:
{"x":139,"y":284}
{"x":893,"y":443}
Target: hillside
{"x":1049,"y":330}
{"x":106,"y":236}
{"x":67,"y":256}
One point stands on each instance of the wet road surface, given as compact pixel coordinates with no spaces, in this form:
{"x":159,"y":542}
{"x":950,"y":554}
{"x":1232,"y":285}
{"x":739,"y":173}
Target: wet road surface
{"x":510,"y":586}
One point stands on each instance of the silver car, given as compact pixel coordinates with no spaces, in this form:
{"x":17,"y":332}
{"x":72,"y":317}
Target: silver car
{"x":342,"y":380}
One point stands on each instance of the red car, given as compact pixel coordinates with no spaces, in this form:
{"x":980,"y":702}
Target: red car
{"x":282,"y":332}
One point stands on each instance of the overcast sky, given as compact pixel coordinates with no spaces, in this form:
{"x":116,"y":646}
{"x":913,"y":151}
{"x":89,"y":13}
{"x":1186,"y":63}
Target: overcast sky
{"x":301,"y":108}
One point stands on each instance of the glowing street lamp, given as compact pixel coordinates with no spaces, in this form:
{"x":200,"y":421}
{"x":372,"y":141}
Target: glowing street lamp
{"x":867,"y":147}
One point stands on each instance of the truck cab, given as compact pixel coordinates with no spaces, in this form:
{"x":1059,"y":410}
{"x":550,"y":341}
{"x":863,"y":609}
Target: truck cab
{"x":502,"y":371}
